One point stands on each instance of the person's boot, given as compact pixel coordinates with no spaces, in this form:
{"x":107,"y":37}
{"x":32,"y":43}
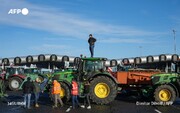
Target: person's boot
{"x":89,"y":107}
{"x":37,"y":105}
{"x":82,"y":106}
{"x":54,"y":106}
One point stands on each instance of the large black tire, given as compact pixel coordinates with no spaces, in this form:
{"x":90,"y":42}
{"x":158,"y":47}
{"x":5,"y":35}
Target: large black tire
{"x":15,"y":83}
{"x":67,"y":94}
{"x":164,"y":93}
{"x":104,"y":94}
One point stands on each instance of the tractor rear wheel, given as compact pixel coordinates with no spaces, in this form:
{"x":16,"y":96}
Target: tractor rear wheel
{"x":164,"y":93}
{"x":64,"y":94}
{"x":102,"y":90}
{"x":14,"y":83}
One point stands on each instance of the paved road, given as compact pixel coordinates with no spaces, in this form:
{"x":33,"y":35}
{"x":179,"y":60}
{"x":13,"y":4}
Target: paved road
{"x":122,"y":104}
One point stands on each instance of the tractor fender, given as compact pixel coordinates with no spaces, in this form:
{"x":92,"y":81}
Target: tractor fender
{"x":66,"y":82}
{"x":100,"y":74}
{"x":20,"y":76}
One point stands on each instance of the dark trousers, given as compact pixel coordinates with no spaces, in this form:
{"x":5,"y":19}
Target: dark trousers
{"x":91,"y":48}
{"x":86,"y":99}
{"x":75,"y":101}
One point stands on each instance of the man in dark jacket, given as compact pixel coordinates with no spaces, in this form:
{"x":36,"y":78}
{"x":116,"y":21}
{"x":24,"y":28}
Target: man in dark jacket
{"x":27,"y":90}
{"x":91,"y":42}
{"x":86,"y":95}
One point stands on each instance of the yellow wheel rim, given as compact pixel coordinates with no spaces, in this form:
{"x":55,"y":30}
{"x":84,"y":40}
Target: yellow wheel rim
{"x":165,"y":95}
{"x":62,"y":93}
{"x":102,"y":90}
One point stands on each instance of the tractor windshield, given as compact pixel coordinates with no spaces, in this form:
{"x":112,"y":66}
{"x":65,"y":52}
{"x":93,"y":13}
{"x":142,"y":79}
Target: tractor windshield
{"x":90,"y":66}
{"x":31,"y":71}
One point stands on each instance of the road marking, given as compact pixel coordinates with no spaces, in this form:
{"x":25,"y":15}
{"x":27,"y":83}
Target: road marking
{"x":15,"y":108}
{"x":69,"y":109}
{"x":157,"y":111}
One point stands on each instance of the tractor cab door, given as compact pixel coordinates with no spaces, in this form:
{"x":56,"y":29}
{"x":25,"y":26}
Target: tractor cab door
{"x":92,"y":67}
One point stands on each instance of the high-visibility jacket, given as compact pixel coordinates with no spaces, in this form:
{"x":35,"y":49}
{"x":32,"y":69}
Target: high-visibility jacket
{"x":56,"y":89}
{"x":74,"y":90}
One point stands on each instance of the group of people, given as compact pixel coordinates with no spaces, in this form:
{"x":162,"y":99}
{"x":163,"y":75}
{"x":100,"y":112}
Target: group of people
{"x":30,"y":88}
{"x":34,"y":87}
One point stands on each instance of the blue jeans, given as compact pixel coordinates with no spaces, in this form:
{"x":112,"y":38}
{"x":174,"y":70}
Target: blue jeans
{"x":75,"y":101}
{"x":36,"y":97}
{"x":91,"y":48}
{"x":27,"y":100}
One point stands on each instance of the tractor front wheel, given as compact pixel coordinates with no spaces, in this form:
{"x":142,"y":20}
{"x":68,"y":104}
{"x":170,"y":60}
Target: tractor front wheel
{"x":102,"y":90}
{"x":14,"y":83}
{"x":164,"y":93}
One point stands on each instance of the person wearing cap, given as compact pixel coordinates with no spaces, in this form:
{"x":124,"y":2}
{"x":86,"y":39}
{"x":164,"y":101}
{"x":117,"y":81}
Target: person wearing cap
{"x":91,"y":42}
{"x":56,"y":89}
{"x":37,"y":90}
{"x":86,"y":94}
{"x":27,"y":90}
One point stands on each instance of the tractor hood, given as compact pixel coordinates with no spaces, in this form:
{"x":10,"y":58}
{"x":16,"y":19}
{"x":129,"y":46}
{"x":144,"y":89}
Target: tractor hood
{"x":164,"y":78}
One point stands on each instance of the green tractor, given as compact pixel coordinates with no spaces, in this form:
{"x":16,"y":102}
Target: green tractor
{"x":166,"y":86}
{"x":103,"y":88}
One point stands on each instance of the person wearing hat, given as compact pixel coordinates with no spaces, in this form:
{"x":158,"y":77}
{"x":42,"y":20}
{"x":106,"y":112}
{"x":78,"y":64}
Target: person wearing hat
{"x":27,"y":90}
{"x":91,"y":42}
{"x":37,"y":90}
{"x":86,"y":94}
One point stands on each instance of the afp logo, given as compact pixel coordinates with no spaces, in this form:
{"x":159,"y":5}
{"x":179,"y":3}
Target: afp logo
{"x":23,"y":11}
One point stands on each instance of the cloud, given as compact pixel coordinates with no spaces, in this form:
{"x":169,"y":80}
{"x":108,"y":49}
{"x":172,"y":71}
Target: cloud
{"x":115,"y":40}
{"x":66,"y":24}
{"x":56,"y":49}
{"x":49,"y":47}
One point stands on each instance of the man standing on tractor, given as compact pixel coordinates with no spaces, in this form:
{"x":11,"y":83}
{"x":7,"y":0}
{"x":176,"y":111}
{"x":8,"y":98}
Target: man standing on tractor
{"x":56,"y":89}
{"x":86,"y":94}
{"x":74,"y":93}
{"x":27,"y":90}
{"x":91,"y":42}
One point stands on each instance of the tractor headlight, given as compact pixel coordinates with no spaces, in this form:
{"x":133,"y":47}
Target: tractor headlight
{"x":152,"y":77}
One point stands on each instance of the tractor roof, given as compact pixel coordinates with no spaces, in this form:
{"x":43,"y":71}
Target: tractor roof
{"x":95,"y":59}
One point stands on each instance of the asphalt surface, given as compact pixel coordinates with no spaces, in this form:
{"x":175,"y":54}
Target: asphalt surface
{"x":122,"y":104}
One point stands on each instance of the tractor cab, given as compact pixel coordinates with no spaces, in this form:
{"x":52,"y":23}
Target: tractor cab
{"x":90,"y":66}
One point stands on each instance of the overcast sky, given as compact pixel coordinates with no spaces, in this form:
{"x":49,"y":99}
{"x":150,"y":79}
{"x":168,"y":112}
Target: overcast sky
{"x":123,"y":28}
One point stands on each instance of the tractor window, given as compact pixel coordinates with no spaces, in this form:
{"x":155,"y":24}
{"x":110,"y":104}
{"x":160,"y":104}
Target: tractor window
{"x":21,"y":71}
{"x":90,"y":66}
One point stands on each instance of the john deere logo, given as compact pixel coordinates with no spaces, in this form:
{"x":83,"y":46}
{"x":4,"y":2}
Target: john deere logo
{"x":23,"y":11}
